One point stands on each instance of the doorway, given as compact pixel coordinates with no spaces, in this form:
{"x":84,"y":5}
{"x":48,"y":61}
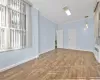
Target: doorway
{"x":72,"y":39}
{"x":59,"y":38}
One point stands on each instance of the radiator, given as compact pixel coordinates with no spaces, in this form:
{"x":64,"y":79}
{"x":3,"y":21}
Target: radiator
{"x":97,"y":53}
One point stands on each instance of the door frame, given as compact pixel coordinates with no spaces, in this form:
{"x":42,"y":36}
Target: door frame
{"x":70,"y":47}
{"x":62,"y":39}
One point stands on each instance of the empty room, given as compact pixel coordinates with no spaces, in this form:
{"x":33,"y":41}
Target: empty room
{"x":49,"y":39}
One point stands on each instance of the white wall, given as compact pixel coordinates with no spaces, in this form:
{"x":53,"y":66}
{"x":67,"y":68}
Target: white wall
{"x":84,"y":39}
{"x":47,"y":34}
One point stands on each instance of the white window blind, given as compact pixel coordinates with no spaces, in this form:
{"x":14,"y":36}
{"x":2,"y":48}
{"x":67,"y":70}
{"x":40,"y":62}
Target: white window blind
{"x":15,"y":25}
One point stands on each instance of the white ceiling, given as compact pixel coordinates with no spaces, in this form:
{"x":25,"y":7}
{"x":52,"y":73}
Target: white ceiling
{"x":53,"y":9}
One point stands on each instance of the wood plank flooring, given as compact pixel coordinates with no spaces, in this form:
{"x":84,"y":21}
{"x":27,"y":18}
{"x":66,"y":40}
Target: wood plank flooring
{"x":59,"y":64}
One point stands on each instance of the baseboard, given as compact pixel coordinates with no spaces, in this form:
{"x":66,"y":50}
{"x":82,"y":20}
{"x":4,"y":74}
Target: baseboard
{"x":85,"y":50}
{"x":81,"y":50}
{"x":46,"y":51}
{"x":17,"y":64}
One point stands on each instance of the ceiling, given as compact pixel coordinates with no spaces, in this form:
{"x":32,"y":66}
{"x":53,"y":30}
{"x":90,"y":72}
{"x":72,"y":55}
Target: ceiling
{"x":53,"y":9}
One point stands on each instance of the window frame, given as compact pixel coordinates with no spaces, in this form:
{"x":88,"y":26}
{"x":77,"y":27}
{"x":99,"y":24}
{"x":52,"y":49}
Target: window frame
{"x":8,"y":28}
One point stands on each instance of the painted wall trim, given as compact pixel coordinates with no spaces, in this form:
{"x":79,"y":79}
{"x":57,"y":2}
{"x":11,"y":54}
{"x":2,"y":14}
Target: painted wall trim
{"x":17,"y":64}
{"x":46,"y":51}
{"x":81,"y":50}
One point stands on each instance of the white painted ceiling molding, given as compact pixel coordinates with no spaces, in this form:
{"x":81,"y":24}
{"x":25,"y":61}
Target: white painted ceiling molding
{"x":53,"y":9}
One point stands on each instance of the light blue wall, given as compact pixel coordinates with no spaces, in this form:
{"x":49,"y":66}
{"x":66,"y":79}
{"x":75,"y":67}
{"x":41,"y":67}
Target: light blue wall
{"x":84,"y":39}
{"x":47,"y":34}
{"x":35,"y":23}
{"x":43,"y":35}
{"x":13,"y":57}
{"x":43,"y":38}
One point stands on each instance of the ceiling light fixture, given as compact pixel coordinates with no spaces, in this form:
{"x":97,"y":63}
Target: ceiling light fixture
{"x":86,"y":23}
{"x":67,"y":11}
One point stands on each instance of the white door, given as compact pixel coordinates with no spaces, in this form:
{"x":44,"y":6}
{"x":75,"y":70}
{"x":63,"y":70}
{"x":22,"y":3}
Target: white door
{"x":59,"y":38}
{"x":72,"y":38}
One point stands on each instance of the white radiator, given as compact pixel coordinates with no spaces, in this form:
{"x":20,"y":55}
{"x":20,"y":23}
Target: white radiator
{"x":97,"y":53}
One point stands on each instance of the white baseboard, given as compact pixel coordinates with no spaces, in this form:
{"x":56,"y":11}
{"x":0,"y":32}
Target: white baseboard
{"x":84,"y":50}
{"x":46,"y":51}
{"x":17,"y":64}
{"x":80,"y":49}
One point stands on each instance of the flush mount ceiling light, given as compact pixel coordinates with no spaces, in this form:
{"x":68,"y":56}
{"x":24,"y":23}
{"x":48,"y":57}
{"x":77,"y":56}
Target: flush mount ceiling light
{"x":67,"y":11}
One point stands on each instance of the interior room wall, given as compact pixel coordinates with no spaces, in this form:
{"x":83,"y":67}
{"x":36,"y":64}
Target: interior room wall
{"x":84,"y":38}
{"x":10,"y":58}
{"x":47,"y":34}
{"x":43,"y":40}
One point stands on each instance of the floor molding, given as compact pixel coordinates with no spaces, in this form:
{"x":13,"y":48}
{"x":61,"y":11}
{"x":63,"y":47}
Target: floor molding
{"x":17,"y":64}
{"x":84,"y":50}
{"x":46,"y":51}
{"x":81,"y":50}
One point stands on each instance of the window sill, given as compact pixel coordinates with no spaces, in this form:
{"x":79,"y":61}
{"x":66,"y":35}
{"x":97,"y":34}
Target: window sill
{"x":9,"y":50}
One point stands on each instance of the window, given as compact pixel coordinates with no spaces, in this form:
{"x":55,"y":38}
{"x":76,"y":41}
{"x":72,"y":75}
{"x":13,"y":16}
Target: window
{"x":14,"y":29}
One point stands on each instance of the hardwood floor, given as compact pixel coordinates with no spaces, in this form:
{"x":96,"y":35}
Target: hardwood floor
{"x":60,"y":64}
